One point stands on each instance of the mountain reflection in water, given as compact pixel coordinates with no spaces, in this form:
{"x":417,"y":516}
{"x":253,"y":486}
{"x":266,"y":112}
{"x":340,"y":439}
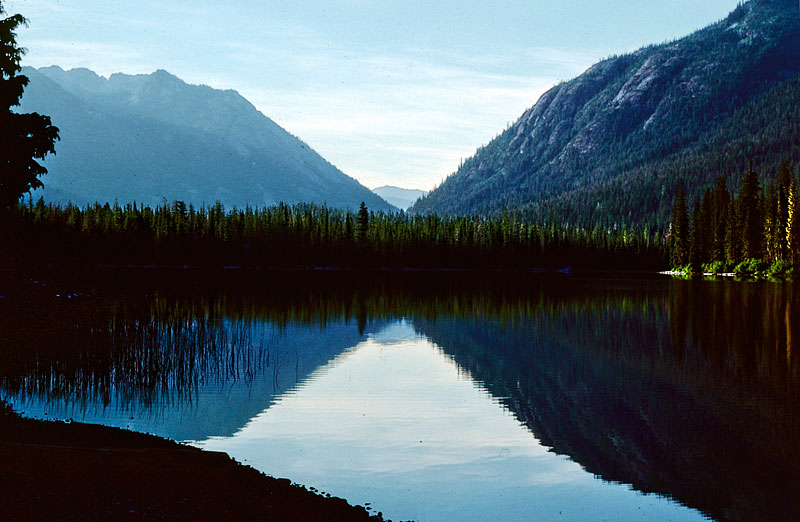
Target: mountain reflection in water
{"x":398,"y":423}
{"x":686,"y":389}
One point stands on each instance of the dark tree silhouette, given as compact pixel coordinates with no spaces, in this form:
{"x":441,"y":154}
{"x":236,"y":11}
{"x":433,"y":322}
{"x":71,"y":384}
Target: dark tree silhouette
{"x":679,"y":233}
{"x":24,"y":138}
{"x":307,"y":235}
{"x":362,"y":223}
{"x":750,"y":215}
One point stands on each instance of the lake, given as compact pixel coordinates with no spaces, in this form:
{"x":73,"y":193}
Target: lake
{"x":438,"y":397}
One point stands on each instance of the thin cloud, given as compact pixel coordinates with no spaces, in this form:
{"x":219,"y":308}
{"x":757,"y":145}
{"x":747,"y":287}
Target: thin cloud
{"x":401,"y":115}
{"x":106,"y":58}
{"x":376,"y":114}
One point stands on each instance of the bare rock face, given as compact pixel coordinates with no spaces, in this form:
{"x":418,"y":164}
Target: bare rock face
{"x":626,"y":112}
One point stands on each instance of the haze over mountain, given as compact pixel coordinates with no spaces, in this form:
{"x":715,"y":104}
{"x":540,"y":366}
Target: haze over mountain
{"x":610,"y":146}
{"x":399,"y":197}
{"x":151,"y":138}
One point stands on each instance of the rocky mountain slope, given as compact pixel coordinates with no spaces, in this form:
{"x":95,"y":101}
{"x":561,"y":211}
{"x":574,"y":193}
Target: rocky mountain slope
{"x":150,"y":138}
{"x":610,"y":145}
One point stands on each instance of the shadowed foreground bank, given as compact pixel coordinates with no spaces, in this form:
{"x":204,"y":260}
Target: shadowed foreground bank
{"x":59,"y":471}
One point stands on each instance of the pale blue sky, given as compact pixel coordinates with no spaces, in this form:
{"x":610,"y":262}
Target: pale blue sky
{"x":390,"y":92}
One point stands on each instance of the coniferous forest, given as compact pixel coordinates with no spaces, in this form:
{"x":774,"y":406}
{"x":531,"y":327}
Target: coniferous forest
{"x":754,"y":230}
{"x":311,"y":236}
{"x":750,"y":231}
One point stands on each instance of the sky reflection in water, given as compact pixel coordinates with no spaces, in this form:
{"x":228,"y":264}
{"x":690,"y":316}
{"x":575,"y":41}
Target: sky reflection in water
{"x":395,"y":422}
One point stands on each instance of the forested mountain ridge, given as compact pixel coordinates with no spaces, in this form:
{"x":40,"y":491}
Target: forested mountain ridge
{"x":611,"y":145}
{"x":150,"y":138}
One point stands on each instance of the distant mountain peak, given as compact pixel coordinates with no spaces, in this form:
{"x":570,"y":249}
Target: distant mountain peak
{"x":395,"y":187}
{"x":399,"y":197}
{"x":161,"y":73}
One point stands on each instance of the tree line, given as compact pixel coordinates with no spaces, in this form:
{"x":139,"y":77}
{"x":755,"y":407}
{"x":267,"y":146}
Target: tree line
{"x":308,"y":235}
{"x":753,"y":230}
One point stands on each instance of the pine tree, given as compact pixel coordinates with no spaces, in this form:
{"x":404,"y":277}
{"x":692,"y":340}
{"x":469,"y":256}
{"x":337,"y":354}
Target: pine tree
{"x":785,"y":179}
{"x":679,"y":230}
{"x":792,"y":223}
{"x":750,"y":216}
{"x":705,"y":225}
{"x":770,"y":213}
{"x":696,"y":257}
{"x":362,"y":223}
{"x":733,"y":241}
{"x":721,"y":204}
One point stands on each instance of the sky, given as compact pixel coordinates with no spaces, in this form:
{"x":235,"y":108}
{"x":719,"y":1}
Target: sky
{"x":392,"y":93}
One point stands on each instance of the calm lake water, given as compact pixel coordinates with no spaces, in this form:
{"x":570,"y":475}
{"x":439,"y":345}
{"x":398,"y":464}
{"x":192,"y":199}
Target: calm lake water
{"x":439,"y":398}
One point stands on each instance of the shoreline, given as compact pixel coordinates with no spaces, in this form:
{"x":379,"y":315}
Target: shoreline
{"x":324,"y":269}
{"x":704,"y":274}
{"x":730,"y":275}
{"x":54,"y":470}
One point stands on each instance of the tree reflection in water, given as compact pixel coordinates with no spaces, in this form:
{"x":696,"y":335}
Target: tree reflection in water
{"x":685,"y":388}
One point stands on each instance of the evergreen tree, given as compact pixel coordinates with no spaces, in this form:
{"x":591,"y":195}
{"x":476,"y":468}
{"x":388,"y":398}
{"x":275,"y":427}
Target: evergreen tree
{"x":705,"y":226}
{"x":721,"y":206}
{"x":348,"y":229}
{"x":792,"y":223}
{"x":750,"y":216}
{"x":785,"y":179}
{"x":733,"y":236}
{"x":770,"y":214}
{"x":362,"y":223}
{"x":679,"y":231}
{"x":696,"y":256}
{"x":24,"y":138}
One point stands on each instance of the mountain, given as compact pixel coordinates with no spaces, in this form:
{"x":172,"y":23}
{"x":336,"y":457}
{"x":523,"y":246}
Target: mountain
{"x":399,"y":197}
{"x":150,"y":138}
{"x":610,"y":146}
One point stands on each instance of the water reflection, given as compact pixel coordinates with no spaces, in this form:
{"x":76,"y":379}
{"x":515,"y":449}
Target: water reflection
{"x":396,"y":422}
{"x":183,"y":368}
{"x":689,"y":390}
{"x":683,"y":388}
